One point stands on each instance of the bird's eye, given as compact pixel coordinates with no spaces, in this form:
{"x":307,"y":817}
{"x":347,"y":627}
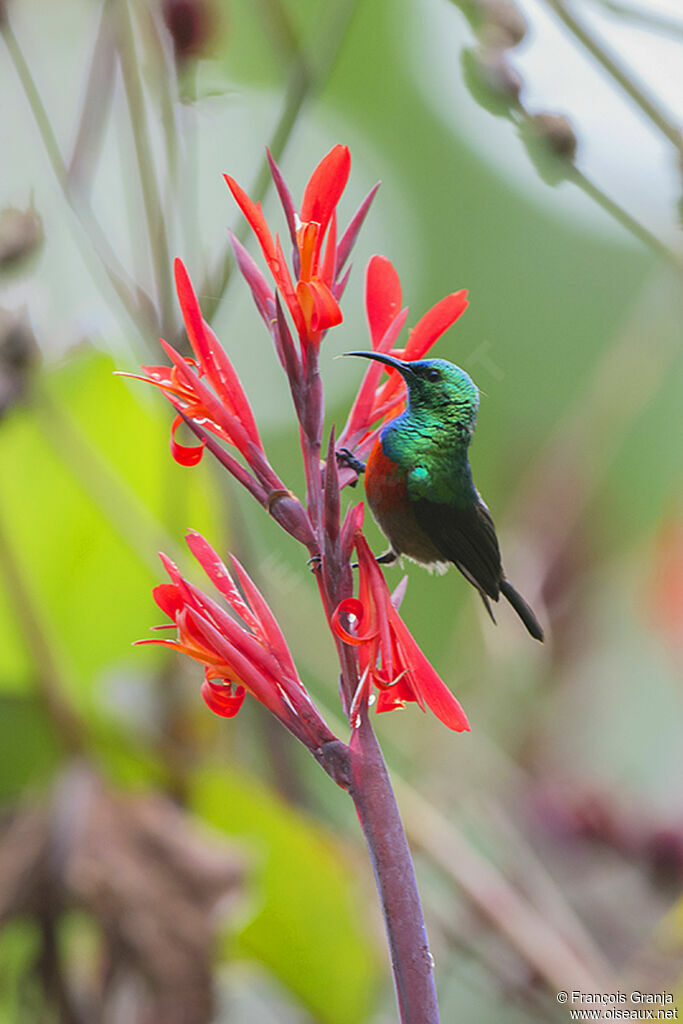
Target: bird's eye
{"x":433,"y":373}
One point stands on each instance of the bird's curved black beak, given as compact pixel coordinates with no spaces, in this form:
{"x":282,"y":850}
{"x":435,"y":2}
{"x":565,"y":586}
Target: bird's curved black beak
{"x":403,"y":366}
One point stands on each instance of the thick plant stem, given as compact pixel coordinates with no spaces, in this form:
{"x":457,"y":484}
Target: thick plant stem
{"x":411,"y":961}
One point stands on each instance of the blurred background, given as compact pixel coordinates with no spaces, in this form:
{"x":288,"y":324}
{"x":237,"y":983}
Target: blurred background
{"x":157,"y":863}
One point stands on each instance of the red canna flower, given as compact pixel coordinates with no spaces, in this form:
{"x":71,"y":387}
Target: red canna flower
{"x":377,"y":403}
{"x":388,"y":655}
{"x":244,"y":653}
{"x":312,"y":293}
{"x":222,"y":408}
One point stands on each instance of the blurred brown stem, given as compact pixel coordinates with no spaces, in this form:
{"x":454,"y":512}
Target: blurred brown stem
{"x":534,"y":938}
{"x":612,"y":208}
{"x":624,"y":218}
{"x":134,"y":300}
{"x":538,"y":941}
{"x":653,"y":20}
{"x":96,"y":105}
{"x":151,"y":196}
{"x":380,"y":819}
{"x":621,"y":76}
{"x":302,"y":83}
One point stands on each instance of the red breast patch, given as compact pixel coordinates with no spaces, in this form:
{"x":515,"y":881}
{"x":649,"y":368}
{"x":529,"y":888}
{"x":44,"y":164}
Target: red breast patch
{"x":385,"y":482}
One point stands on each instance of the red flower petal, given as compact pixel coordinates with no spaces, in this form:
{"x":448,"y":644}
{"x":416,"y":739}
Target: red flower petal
{"x":352,"y":606}
{"x":325,"y":187}
{"x":168,"y":599}
{"x":366,"y":409}
{"x":185,"y":455}
{"x":218,"y":573}
{"x":254,"y":214}
{"x":318,"y":305}
{"x":432,"y":325}
{"x":268,"y":622}
{"x":224,"y":700}
{"x":382,"y":297}
{"x":427,"y":683}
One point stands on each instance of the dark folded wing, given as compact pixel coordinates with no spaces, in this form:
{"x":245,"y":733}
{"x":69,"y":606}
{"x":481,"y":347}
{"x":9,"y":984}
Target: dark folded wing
{"x":466,"y":537}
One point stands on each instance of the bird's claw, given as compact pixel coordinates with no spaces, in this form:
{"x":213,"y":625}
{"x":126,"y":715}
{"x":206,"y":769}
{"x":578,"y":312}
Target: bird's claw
{"x":347,"y":458}
{"x":315,"y":562}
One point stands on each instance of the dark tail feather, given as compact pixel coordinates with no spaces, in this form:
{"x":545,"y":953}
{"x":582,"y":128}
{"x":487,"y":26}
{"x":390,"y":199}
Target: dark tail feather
{"x":523,"y":610}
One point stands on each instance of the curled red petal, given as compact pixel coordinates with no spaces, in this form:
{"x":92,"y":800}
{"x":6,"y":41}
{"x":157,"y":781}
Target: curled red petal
{"x":389,"y":699}
{"x":352,"y":606}
{"x":223,"y":699}
{"x":382,"y":297}
{"x":318,"y":305}
{"x":185,"y":455}
{"x":325,"y":187}
{"x":432,"y":325}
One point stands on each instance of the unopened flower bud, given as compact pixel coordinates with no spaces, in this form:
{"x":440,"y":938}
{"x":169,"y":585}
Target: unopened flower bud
{"x":491,"y":79}
{"x":557,"y":132}
{"x":503,"y":22}
{"x":21,"y":233}
{"x":551,"y":144}
{"x":191,"y":24}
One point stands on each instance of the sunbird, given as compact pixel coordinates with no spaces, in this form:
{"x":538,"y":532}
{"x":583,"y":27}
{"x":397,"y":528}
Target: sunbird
{"x":419,"y":483}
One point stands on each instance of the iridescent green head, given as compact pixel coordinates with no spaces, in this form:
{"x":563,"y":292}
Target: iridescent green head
{"x":435,"y":387}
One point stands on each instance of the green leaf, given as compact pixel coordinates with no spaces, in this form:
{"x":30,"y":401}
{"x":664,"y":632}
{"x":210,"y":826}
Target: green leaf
{"x":309,"y":928}
{"x":29,"y":748}
{"x":90,"y":495}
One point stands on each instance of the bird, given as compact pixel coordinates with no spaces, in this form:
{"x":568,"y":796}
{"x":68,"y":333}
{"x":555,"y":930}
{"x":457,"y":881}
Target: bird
{"x":419,"y":485}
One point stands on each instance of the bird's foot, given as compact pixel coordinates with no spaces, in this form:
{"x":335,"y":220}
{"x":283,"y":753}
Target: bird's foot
{"x":315,"y":563}
{"x":389,"y":557}
{"x":347,"y":458}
